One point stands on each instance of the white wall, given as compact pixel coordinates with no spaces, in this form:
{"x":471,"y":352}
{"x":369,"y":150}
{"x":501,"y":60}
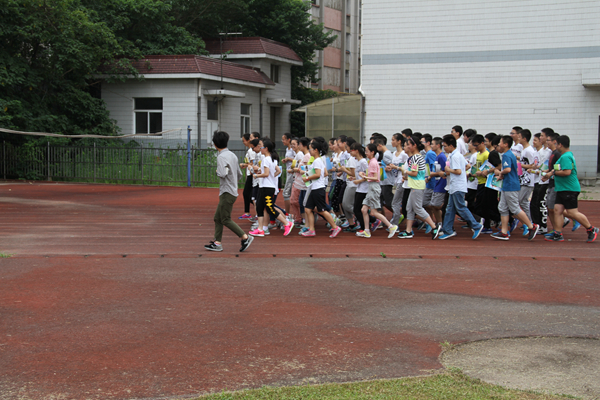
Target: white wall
{"x":230,"y":112}
{"x":429,"y":65}
{"x":179,"y":102}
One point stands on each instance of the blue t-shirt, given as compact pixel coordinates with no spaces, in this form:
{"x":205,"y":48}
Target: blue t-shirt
{"x":511,"y":180}
{"x":430,"y":158}
{"x":440,"y":186}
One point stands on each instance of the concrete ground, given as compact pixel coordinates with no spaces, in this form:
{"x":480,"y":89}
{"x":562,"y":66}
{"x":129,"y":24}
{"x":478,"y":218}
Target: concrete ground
{"x":548,"y":364}
{"x":108,"y":294}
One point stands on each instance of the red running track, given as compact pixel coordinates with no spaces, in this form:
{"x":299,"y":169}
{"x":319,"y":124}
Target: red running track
{"x":109,"y":295}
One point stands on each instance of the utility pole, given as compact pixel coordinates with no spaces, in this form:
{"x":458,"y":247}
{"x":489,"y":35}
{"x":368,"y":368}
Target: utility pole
{"x":221,"y":35}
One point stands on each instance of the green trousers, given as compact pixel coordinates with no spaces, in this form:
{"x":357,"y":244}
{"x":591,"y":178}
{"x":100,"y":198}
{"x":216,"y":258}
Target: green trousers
{"x":223,"y":217}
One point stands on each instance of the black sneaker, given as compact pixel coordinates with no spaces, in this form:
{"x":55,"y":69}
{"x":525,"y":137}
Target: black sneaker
{"x":214,"y":247}
{"x":533,"y":231}
{"x":406,"y":235}
{"x":592,"y":234}
{"x":436,"y":232}
{"x":246,"y":243}
{"x":557,"y":237}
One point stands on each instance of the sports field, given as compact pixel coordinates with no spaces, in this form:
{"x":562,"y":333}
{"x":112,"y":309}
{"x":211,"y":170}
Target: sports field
{"x":106,"y":292}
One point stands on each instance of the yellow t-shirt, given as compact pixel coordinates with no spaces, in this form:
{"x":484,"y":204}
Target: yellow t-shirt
{"x":481,"y":159}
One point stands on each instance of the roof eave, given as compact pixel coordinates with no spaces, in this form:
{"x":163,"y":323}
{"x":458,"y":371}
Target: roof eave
{"x":198,"y":76}
{"x":247,"y":56}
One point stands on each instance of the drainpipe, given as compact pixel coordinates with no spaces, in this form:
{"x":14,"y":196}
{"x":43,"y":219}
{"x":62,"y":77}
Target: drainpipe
{"x":260,"y":111}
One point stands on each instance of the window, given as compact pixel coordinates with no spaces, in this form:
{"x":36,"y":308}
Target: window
{"x":245,"y":125}
{"x":212,"y":109}
{"x":148,"y":115}
{"x":275,"y":73}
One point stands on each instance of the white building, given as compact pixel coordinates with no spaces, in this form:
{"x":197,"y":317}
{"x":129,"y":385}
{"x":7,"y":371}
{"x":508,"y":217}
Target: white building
{"x":488,"y":65}
{"x":252,"y":93}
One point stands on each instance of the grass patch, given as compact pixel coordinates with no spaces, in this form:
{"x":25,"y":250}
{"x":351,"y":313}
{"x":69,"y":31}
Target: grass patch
{"x":448,"y":385}
{"x":5,"y":255}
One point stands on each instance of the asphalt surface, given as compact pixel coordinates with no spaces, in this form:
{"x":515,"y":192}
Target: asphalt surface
{"x":108,"y":294}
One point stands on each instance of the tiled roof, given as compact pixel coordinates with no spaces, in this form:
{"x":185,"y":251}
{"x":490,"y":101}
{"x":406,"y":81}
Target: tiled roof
{"x":192,"y":64}
{"x":252,"y":45}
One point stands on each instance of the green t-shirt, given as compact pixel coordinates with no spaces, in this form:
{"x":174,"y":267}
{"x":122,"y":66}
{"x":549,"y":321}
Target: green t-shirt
{"x":566,"y":183}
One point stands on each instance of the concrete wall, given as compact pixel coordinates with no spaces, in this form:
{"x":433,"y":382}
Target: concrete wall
{"x":180,"y":107}
{"x":179,"y":102}
{"x":429,"y":65}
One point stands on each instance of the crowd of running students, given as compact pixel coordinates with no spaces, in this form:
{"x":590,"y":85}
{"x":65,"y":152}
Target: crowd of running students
{"x":490,"y":181}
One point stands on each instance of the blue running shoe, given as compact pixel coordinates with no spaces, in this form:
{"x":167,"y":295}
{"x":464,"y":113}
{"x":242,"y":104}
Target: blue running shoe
{"x":525,"y":230}
{"x":445,"y":236}
{"x":576,"y":226}
{"x":477,"y":232}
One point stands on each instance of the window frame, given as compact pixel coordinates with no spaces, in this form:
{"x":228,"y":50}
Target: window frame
{"x":275,"y":73}
{"x":245,"y":119}
{"x":149,"y":112}
{"x":216,"y":105}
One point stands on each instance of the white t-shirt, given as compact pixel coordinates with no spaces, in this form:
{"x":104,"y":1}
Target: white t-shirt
{"x":335,"y":160}
{"x":398,"y":159}
{"x":517,"y":149}
{"x":461,"y":146}
{"x":269,"y":181}
{"x":289,"y":153}
{"x":351,"y":163}
{"x":544,"y":155}
{"x":528,"y":156}
{"x":472,"y":161}
{"x":320,"y":182}
{"x":258,"y":157}
{"x":361,"y":166}
{"x":250,"y":154}
{"x":298,"y":157}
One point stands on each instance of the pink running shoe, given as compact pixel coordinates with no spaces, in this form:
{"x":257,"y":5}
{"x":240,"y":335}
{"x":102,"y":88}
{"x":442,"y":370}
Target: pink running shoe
{"x":288,"y":228}
{"x":308,"y":233}
{"x":245,"y":216}
{"x":335,"y":231}
{"x":257,"y":232}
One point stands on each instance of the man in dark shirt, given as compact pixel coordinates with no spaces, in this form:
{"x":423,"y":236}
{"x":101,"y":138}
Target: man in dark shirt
{"x":490,"y":196}
{"x":551,"y":194}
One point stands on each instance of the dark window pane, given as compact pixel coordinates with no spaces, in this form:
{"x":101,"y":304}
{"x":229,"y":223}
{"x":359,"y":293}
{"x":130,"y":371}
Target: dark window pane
{"x":155,"y":122}
{"x":212,"y":111}
{"x":141,"y":122}
{"x":275,"y":73}
{"x":149,"y":104}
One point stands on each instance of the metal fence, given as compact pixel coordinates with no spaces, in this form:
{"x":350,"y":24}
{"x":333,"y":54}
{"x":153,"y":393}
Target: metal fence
{"x":114,"y":164}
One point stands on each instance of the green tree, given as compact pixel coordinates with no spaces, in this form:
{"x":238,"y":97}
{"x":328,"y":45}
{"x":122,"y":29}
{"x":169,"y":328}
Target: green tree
{"x":47,"y":51}
{"x":50,"y":51}
{"x":145,"y":27}
{"x":286,"y":21}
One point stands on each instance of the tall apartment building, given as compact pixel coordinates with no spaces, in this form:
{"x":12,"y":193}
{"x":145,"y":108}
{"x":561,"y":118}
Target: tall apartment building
{"x":340,"y":62}
{"x":488,"y":65}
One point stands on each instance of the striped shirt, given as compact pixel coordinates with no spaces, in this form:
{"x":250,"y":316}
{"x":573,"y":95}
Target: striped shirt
{"x":417,"y":163}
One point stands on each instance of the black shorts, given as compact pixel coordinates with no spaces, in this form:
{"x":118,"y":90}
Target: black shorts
{"x":255,"y":192}
{"x":567,"y":199}
{"x":317,"y":199}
